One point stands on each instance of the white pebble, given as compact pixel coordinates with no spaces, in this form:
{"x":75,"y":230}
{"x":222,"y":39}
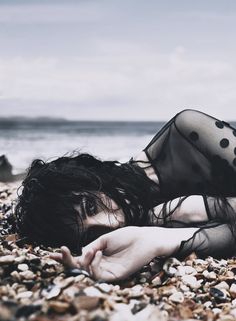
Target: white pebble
{"x":27,"y":275}
{"x":207,"y":304}
{"x":22,"y":267}
{"x":216,"y":311}
{"x":191,"y":281}
{"x":183,"y":270}
{"x":177,"y":297}
{"x":233,"y":312}
{"x":92,"y":291}
{"x":222,"y":286}
{"x":105,"y":287}
{"x":6,"y":259}
{"x":157,"y":281}
{"x":24,"y":295}
{"x":232,"y":290}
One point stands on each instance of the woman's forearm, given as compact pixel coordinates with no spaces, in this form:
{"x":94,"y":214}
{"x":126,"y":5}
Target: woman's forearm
{"x":190,"y":209}
{"x":166,"y":241}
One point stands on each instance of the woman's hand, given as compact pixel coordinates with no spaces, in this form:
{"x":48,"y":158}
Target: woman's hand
{"x":114,"y":255}
{"x":118,"y":254}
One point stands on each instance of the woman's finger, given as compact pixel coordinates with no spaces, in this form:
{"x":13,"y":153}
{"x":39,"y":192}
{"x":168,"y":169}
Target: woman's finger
{"x":95,"y":265}
{"x":88,"y":252}
{"x":67,"y":258}
{"x":86,"y":258}
{"x":98,"y":244}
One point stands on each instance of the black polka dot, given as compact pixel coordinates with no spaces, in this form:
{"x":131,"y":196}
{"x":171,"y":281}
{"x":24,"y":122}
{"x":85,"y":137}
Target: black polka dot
{"x":224,"y":143}
{"x":234,"y":132}
{"x":234,"y":162}
{"x":235,"y":150}
{"x":196,"y":168}
{"x":219,"y":124}
{"x":193,"y":136}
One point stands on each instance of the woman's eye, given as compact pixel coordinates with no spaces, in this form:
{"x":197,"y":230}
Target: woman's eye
{"x":91,"y":208}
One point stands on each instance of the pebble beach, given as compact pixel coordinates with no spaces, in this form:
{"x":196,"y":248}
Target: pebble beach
{"x":37,"y":288}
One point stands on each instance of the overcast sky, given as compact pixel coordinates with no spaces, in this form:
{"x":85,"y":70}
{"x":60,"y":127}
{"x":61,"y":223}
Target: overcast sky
{"x":109,"y":59}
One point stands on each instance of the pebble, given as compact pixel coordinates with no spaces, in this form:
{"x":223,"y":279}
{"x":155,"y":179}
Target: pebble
{"x":191,"y":281}
{"x":216,"y":311}
{"x":5,"y":313}
{"x":184,"y":287}
{"x":209,"y":275}
{"x":85,"y":302}
{"x":136,"y":291}
{"x":233,"y":312}
{"x":189,"y":294}
{"x":22,"y":267}
{"x":207,"y":304}
{"x":58,"y":306}
{"x":183,"y":270}
{"x":222,"y":286}
{"x":65,"y":282}
{"x":232,"y":290}
{"x":71,"y":292}
{"x":6,"y":259}
{"x":92,"y":291}
{"x":104,"y":287}
{"x":170,"y":266}
{"x":142,"y":280}
{"x":24,"y":295}
{"x":226,"y":318}
{"x":219,"y":295}
{"x":16,"y":276}
{"x":79,"y":278}
{"x":177,"y":297}
{"x":167,"y":290}
{"x":171,"y":271}
{"x":191,"y":289}
{"x":76,"y":271}
{"x":27,"y":275}
{"x":52,"y":292}
{"x":156,"y":281}
{"x":200,"y":262}
{"x":20,"y":259}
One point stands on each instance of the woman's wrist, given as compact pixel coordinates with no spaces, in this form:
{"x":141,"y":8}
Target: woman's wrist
{"x":166,"y":241}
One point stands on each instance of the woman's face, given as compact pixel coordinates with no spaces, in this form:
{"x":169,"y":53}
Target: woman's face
{"x":102,"y":220}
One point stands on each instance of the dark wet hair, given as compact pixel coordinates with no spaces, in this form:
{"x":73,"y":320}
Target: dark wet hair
{"x":45,"y":209}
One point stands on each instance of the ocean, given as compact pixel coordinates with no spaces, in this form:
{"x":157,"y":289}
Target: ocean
{"x":23,"y":140}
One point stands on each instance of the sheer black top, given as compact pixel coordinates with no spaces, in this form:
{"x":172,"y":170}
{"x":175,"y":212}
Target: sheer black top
{"x":195,"y":154}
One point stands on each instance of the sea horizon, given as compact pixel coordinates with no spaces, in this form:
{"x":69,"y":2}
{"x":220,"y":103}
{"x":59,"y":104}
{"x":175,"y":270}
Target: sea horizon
{"x":23,"y":139}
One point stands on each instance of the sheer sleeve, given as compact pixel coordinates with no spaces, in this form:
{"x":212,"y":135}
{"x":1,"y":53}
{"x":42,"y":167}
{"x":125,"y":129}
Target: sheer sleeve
{"x":214,"y":239}
{"x":195,"y":153}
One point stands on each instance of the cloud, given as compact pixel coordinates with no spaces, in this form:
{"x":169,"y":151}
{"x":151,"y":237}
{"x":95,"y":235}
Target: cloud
{"x":141,"y":81}
{"x":49,"y":13}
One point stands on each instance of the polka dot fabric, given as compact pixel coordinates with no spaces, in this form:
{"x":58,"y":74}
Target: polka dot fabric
{"x":200,"y":159}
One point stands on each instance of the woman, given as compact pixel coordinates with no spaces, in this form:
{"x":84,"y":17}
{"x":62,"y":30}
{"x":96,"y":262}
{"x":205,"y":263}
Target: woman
{"x":175,"y":197}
